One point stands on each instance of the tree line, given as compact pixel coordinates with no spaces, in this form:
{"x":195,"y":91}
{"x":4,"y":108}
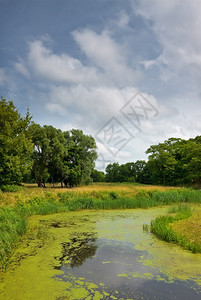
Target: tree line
{"x":30,"y":152}
{"x":129,"y":172}
{"x":174,"y":162}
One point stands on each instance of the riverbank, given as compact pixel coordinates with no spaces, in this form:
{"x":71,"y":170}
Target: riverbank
{"x":181,"y":226}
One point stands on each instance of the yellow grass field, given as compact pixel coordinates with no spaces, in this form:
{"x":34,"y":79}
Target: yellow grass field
{"x":190,"y":228}
{"x":32,"y":190}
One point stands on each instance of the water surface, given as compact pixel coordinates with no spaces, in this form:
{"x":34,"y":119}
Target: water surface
{"x":101,"y":255}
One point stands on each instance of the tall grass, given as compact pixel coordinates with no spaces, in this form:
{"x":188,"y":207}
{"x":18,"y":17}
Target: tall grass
{"x":13,"y":219}
{"x":162,"y":228}
{"x":12,"y":225}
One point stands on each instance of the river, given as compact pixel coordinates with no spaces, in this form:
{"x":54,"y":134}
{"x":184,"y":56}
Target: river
{"x":100,"y":255}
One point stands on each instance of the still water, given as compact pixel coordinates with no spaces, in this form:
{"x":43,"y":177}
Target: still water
{"x":100,"y":255}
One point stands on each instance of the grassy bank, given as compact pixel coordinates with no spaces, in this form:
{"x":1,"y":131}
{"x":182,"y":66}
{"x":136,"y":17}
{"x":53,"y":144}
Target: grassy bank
{"x":180,"y":228}
{"x":16,"y":207}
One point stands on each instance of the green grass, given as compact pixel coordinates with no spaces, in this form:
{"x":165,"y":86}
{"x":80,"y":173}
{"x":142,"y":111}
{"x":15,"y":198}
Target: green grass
{"x":162,"y":228}
{"x":13,"y":219}
{"x":12,"y":225}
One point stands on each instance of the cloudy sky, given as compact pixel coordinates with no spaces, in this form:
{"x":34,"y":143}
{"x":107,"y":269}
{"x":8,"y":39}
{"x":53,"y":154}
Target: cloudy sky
{"x":126,"y":72}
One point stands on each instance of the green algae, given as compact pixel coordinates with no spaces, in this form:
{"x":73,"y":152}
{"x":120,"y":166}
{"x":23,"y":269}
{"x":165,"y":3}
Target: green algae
{"x":37,"y":260}
{"x":56,"y":246}
{"x":136,"y":275}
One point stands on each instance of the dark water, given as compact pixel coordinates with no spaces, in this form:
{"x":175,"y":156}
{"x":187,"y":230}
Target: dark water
{"x":110,"y":258}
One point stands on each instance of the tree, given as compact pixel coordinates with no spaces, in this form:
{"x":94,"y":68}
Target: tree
{"x":120,"y":173}
{"x":81,"y":157}
{"x":142,"y":172}
{"x":97,"y":176}
{"x":112,"y":172}
{"x":41,"y":154}
{"x":192,"y":163}
{"x":127,"y":172}
{"x":68,"y":157}
{"x":49,"y":152}
{"x":163,"y":162}
{"x":176,"y":161}
{"x":15,"y":144}
{"x":58,"y":150}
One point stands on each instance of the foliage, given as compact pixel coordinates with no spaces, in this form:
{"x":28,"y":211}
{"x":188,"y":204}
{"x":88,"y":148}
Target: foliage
{"x":11,"y":188}
{"x":97,"y":176}
{"x":80,"y":158}
{"x":129,"y":172}
{"x":175,"y":161}
{"x":28,"y":150}
{"x":15,"y":144}
{"x":48,"y":153}
{"x":67,"y":157}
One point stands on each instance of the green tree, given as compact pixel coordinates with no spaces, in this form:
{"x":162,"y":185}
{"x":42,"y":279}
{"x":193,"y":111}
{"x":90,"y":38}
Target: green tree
{"x":49,"y":152}
{"x":80,"y":158}
{"x":192,"y":161}
{"x":163,"y":162}
{"x":97,"y":176}
{"x":58,"y":150}
{"x":142,"y":172}
{"x":15,"y":144}
{"x":41,"y":154}
{"x":112,"y":173}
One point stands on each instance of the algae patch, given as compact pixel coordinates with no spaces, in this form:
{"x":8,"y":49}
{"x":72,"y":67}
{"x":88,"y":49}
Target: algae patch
{"x":99,"y":255}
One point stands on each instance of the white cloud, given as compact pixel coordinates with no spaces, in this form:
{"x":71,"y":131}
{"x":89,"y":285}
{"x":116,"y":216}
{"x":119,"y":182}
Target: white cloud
{"x":21,"y":67}
{"x":107,"y":62}
{"x":177,"y":25}
{"x":87,"y":95}
{"x":57,"y":68}
{"x":95,"y":105}
{"x":107,"y":55}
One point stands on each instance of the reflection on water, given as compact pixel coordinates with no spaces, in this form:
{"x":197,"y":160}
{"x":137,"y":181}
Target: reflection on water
{"x":75,"y":252}
{"x":110,"y":259}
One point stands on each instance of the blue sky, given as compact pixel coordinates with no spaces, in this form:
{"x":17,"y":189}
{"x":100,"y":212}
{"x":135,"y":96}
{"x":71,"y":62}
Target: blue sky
{"x":94,"y":65}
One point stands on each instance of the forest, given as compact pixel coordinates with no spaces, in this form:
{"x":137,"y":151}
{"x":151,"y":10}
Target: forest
{"x":39,"y":154}
{"x":174,"y":162}
{"x":30,"y":152}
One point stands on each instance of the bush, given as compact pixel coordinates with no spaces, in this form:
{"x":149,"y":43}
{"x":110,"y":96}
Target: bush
{"x":11,"y":188}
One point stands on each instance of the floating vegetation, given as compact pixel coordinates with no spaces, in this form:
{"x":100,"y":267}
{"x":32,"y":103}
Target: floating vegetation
{"x":99,"y":255}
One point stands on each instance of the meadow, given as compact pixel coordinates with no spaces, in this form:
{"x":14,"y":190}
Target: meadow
{"x":17,"y":204}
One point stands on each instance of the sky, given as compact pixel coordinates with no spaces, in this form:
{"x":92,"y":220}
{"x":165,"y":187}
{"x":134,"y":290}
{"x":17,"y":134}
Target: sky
{"x":126,"y":72}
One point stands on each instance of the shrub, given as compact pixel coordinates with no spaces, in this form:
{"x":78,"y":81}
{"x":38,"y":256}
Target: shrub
{"x":11,"y":188}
